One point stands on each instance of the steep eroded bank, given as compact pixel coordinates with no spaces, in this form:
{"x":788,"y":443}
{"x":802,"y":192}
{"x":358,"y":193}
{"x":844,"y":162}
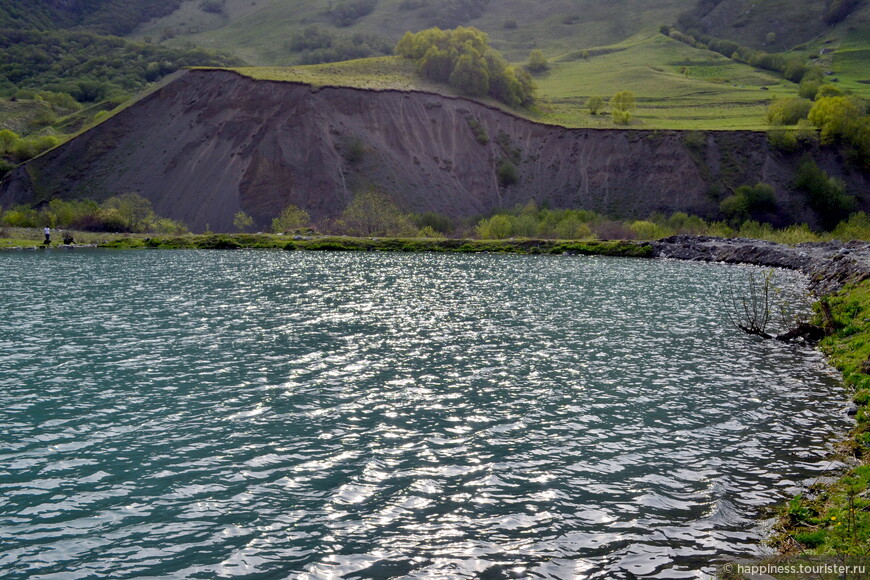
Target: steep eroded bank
{"x":212,"y":143}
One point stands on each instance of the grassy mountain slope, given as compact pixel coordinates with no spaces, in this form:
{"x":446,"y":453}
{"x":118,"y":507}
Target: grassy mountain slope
{"x":713,"y":93}
{"x":117,"y":17}
{"x":751,"y":22}
{"x":259,"y":32}
{"x":678,"y":87}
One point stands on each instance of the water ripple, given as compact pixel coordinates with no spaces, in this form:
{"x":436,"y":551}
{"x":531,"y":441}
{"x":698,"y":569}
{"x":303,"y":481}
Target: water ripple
{"x":304,"y":415}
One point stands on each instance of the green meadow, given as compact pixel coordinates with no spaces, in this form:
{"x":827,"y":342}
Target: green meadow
{"x":677,"y":87}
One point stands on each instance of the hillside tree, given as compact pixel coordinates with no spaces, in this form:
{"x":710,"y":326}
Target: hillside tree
{"x":621,"y":106}
{"x":463,"y":59}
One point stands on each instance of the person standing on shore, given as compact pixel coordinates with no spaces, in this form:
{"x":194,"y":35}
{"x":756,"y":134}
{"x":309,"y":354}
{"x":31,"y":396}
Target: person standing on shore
{"x":47,"y":232}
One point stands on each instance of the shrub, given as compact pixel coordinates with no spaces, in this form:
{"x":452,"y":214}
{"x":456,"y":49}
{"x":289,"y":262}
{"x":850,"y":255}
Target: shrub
{"x":683,"y":223}
{"x":349,"y":12}
{"x":836,"y":117}
{"x":646,"y":230}
{"x":8,"y":140}
{"x":621,"y":106}
{"x":30,"y":147}
{"x":372,"y":213}
{"x":507,"y":173}
{"x":498,"y":227}
{"x":809,"y":88}
{"x":355,"y":150}
{"x":5,"y":167}
{"x":856,"y":227}
{"x":828,"y":90}
{"x":290,"y":218}
{"x":788,"y":111}
{"x":826,"y":195}
{"x":595,"y":104}
{"x":242,"y":221}
{"x":537,"y":62}
{"x":439,"y":222}
{"x":621,"y":117}
{"x":479,"y":131}
{"x":749,"y":202}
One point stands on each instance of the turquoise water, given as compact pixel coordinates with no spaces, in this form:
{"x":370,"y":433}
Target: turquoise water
{"x":311,"y":415}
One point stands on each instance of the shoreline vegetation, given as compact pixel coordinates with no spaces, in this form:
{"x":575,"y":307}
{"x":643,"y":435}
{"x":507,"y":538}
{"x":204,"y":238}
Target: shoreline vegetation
{"x":831,"y":517}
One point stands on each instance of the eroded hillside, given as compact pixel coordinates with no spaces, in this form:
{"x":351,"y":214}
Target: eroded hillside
{"x":212,"y":143}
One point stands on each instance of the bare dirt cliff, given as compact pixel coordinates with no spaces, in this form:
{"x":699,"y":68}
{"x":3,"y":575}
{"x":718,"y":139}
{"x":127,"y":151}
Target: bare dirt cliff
{"x":212,"y":143}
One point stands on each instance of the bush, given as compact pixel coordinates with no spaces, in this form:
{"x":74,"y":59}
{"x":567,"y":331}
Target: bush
{"x":8,"y":141}
{"x":440,"y":223}
{"x":621,"y":106}
{"x":498,"y":227}
{"x":30,"y":147}
{"x":595,"y":104}
{"x":836,"y":117}
{"x":749,"y":202}
{"x":788,"y":111}
{"x":537,"y":62}
{"x":5,"y":167}
{"x":507,"y":173}
{"x":291,"y":218}
{"x":646,"y":230}
{"x":349,"y":12}
{"x":826,"y":195}
{"x":621,"y":117}
{"x":857,"y":227}
{"x":373,"y":214}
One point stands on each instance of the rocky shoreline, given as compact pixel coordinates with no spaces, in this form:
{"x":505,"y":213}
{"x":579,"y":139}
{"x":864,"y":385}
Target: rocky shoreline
{"x":829,"y":265}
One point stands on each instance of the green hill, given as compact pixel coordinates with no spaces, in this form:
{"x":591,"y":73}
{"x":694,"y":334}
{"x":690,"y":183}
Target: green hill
{"x":773,"y":25}
{"x":262,"y":33}
{"x":117,"y":17}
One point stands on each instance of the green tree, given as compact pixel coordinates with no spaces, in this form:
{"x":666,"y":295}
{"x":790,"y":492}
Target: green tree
{"x":436,"y":64}
{"x":788,"y":111}
{"x":470,"y":75}
{"x":829,"y":90}
{"x":133,"y":211}
{"x":498,"y":227}
{"x":836,"y":117}
{"x":749,"y":202}
{"x":8,"y":140}
{"x":595,"y":104}
{"x":291,"y":218}
{"x":826,"y":195}
{"x":537,"y":61}
{"x":507,"y":173}
{"x":621,"y":106}
{"x":463,"y":58}
{"x":242,"y":221}
{"x":372,"y":213}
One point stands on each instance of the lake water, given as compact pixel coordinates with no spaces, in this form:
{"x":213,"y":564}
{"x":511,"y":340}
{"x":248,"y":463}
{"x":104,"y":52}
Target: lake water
{"x":185,"y":414}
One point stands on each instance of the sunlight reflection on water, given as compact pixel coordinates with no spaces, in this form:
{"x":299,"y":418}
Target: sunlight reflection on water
{"x":313,"y":415}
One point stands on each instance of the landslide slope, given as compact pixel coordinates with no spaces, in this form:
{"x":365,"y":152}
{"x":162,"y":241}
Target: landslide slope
{"x":213,"y":142}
